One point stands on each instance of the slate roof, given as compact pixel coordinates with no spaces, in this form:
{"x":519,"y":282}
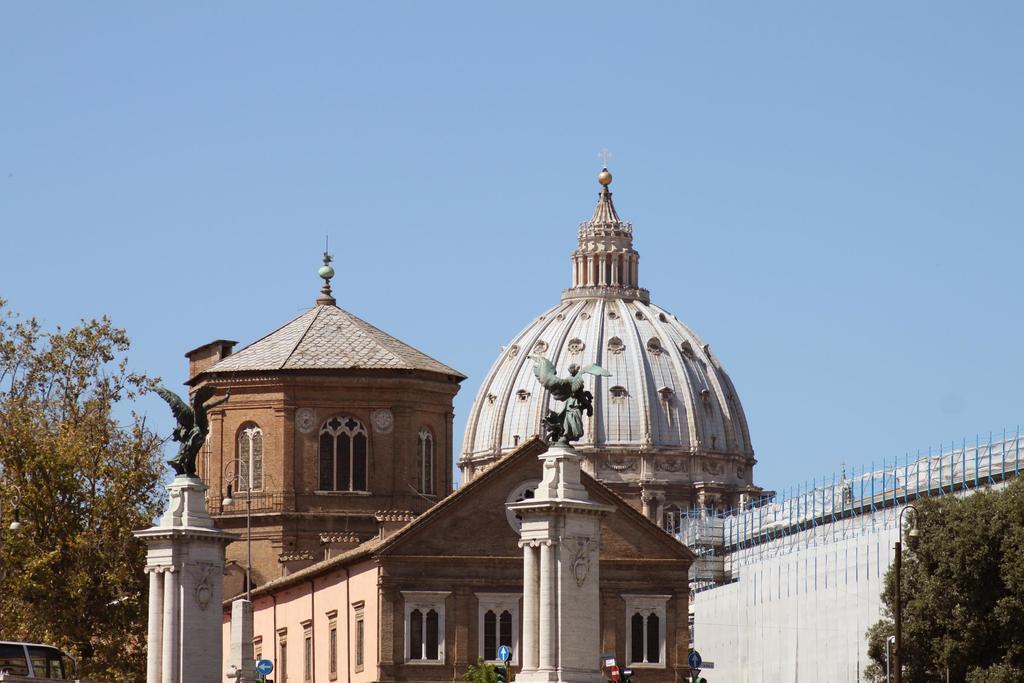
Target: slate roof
{"x":329,"y":338}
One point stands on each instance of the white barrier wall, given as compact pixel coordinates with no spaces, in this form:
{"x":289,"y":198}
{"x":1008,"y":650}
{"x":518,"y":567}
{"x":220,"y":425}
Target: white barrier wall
{"x":801,"y":606}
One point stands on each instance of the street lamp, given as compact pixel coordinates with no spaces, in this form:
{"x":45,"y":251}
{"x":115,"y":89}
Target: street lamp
{"x":16,"y":523}
{"x":913,"y":533}
{"x":228,"y":500}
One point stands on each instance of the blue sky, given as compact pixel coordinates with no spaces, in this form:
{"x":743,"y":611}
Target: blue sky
{"x":828,"y":193}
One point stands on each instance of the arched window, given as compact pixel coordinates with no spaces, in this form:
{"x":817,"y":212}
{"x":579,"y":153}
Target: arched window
{"x":343,"y":455}
{"x":645,"y":622}
{"x":425,"y":462}
{"x":250,"y":457}
{"x":497,"y":632}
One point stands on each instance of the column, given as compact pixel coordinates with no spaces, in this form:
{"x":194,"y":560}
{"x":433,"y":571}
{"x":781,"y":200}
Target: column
{"x":171,"y":627}
{"x":548,"y":604}
{"x":156,"y":609}
{"x":531,"y":605}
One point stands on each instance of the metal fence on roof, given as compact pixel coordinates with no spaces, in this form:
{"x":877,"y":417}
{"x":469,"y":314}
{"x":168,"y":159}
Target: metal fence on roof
{"x":846,"y":497}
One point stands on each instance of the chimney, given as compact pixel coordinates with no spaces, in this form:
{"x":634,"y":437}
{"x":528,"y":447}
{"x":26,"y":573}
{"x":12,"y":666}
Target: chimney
{"x":202,"y":358}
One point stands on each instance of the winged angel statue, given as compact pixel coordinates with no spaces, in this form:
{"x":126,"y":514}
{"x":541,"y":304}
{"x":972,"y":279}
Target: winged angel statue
{"x":193,"y":424}
{"x":566,"y":426}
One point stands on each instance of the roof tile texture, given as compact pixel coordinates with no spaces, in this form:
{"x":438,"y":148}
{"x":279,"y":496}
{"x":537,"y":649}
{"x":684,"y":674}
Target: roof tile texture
{"x":330,"y":338}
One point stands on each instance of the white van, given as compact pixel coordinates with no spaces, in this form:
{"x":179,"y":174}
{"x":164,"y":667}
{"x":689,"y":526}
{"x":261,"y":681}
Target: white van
{"x":31,"y":660}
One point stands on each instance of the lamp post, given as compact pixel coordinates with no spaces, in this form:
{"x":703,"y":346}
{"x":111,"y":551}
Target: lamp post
{"x":898,"y":650}
{"x":16,"y":522}
{"x":228,"y":500}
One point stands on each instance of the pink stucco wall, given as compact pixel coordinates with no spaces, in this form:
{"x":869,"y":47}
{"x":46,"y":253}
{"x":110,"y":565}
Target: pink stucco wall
{"x":309,"y":603}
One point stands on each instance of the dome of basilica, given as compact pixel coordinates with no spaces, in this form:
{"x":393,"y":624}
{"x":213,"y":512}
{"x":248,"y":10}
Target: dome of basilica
{"x":668,"y":429}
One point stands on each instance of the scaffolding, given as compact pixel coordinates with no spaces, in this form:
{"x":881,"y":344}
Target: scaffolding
{"x":839,"y":505}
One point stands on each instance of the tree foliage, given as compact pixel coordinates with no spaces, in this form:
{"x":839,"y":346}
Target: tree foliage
{"x":481,"y":672}
{"x":72,"y":575}
{"x":962,"y":591}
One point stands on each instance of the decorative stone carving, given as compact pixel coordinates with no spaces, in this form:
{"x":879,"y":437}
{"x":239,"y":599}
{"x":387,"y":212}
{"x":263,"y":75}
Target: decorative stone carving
{"x":203,"y":590}
{"x":654,"y":346}
{"x":540,"y":347}
{"x":581,"y":559}
{"x":584,"y":316}
{"x":576,"y":346}
{"x":621,"y":465}
{"x":305,"y":420}
{"x":339,"y":537}
{"x":714,"y":468}
{"x":615,"y":346}
{"x":739,"y":473}
{"x":674,"y":466}
{"x":295,"y":556}
{"x":513,"y":351}
{"x":491,"y":398}
{"x":383,"y":421}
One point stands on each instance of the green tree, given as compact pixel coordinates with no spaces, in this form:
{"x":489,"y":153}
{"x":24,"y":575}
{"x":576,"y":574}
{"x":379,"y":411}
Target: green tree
{"x":962,"y":589}
{"x":481,"y":672}
{"x":72,"y":575}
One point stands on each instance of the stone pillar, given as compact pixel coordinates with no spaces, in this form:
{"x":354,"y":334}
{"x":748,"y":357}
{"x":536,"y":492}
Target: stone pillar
{"x":531,"y":607}
{"x":564,"y":525}
{"x":171,"y":629}
{"x":154,"y":635}
{"x":546,"y":627}
{"x":185,"y":559}
{"x":241,"y":664}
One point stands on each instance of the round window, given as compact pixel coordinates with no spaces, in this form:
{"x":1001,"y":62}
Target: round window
{"x":520,"y":493}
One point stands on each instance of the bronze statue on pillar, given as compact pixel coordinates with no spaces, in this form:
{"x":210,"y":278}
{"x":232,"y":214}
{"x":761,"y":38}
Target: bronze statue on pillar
{"x":193,"y":424}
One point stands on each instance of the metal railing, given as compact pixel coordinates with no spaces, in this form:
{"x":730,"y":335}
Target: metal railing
{"x":948,"y":469}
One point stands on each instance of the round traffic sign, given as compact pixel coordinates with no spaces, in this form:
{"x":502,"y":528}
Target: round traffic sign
{"x":695,"y":660}
{"x":265,"y":667}
{"x":505,"y":653}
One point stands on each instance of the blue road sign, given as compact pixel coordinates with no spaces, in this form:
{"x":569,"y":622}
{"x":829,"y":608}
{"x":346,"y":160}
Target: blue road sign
{"x":504,"y":653}
{"x":695,"y":660}
{"x":265,"y":667}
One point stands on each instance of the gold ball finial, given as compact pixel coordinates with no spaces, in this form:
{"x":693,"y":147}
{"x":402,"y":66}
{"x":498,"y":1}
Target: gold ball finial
{"x":604,"y":177}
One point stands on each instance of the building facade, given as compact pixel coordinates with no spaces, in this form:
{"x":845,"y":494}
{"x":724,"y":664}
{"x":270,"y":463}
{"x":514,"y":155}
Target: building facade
{"x":787,"y":589}
{"x":334,"y":431}
{"x":428,"y":600}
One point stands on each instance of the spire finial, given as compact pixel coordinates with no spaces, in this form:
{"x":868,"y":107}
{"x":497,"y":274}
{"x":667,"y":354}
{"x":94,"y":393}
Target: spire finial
{"x":326,"y":272}
{"x":604,"y":177}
